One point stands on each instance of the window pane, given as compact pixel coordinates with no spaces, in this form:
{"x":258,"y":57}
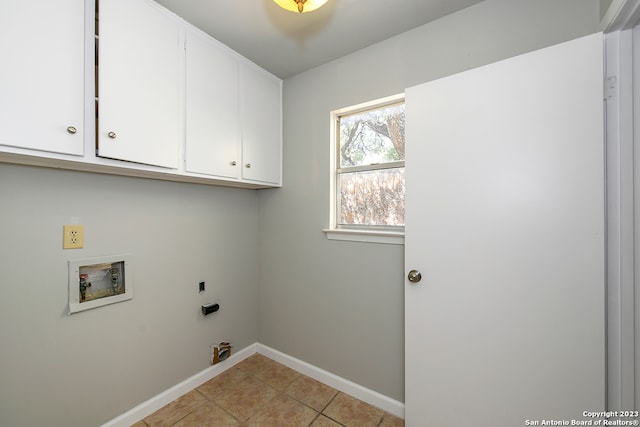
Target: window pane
{"x":372,"y":198}
{"x":375,"y":136}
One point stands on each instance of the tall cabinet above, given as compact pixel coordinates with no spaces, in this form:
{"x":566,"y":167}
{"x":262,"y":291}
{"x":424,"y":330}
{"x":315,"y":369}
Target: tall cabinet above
{"x":212,"y":109}
{"x":126,"y":87}
{"x":42,"y":76}
{"x":138,"y":83}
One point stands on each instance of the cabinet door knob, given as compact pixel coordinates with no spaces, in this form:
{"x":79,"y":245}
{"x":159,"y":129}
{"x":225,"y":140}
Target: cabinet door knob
{"x":233,"y":163}
{"x":72,"y":129}
{"x":248,"y":165}
{"x":112,"y":135}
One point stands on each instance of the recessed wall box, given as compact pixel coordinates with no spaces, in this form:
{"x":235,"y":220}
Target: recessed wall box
{"x":94,"y":282}
{"x":220,"y":352}
{"x":210,"y":308}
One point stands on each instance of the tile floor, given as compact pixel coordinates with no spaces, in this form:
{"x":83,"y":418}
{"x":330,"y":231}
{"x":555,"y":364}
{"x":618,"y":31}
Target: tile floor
{"x":259,"y":392}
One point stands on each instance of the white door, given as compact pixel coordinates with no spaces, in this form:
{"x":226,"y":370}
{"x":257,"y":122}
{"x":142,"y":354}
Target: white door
{"x":42,"y":75}
{"x":212,"y":116}
{"x":261,"y":126}
{"x":505,"y":223}
{"x":138,"y":84}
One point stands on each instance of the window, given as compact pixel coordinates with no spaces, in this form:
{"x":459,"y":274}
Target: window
{"x":368,"y":172}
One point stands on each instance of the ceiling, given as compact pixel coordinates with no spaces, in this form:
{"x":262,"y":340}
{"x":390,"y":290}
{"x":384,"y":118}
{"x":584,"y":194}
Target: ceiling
{"x":287,"y":43}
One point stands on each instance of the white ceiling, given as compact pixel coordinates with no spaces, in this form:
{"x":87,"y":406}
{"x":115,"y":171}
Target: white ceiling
{"x":287,"y":43}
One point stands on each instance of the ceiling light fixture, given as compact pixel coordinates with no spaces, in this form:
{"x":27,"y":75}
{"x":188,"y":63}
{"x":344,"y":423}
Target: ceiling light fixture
{"x":300,"y":5}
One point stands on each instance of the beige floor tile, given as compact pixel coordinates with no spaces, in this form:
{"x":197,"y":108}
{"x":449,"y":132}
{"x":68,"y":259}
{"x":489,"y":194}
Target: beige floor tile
{"x":208,"y":415}
{"x":246,"y":398}
{"x":352,"y":412}
{"x":389,"y":420}
{"x":260,"y":392}
{"x":254,"y":364}
{"x":278,"y":376}
{"x":323,"y":421}
{"x":283,"y":411}
{"x":174,"y":411}
{"x":311,"y":392}
{"x":222,"y":382}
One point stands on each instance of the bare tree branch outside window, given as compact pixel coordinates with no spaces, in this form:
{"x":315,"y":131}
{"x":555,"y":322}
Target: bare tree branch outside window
{"x":371,"y":168}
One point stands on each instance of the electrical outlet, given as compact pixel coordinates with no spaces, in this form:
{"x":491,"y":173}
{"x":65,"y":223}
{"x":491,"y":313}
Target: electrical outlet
{"x":73,"y":237}
{"x":201,"y":286}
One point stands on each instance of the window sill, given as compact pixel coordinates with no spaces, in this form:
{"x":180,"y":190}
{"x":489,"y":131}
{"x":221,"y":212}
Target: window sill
{"x":385,"y":237}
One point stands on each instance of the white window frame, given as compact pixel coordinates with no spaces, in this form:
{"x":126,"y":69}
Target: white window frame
{"x":356,"y":234}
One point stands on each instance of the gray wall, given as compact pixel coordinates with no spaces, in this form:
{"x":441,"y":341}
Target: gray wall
{"x":339,"y":305}
{"x":87,"y":368}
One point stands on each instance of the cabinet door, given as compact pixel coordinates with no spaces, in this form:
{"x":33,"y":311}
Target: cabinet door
{"x":42,"y":75}
{"x":138,"y":83}
{"x":212,"y":99}
{"x":261,"y":127}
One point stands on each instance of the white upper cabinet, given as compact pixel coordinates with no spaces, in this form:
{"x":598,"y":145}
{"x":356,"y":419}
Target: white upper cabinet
{"x":233,"y":115}
{"x":261,"y":126}
{"x":138,"y":83}
{"x":42,"y":75}
{"x":170,"y":101}
{"x":212,"y":109}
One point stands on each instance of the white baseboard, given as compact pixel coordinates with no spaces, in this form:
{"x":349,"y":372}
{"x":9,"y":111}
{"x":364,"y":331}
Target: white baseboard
{"x":152,"y":405}
{"x":158,"y":401}
{"x":371,"y":397}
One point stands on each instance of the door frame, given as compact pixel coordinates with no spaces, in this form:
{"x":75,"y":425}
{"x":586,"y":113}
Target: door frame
{"x":622,"y":69}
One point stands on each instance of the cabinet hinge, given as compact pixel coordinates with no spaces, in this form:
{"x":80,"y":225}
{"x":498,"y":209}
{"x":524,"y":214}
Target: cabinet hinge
{"x":610,"y":87}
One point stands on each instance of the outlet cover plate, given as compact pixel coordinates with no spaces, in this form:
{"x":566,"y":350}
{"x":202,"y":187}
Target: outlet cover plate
{"x":73,"y":237}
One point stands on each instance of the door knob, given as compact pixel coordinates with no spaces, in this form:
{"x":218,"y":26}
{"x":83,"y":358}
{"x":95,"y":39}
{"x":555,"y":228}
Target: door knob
{"x":414,"y":276}
{"x":112,"y":135}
